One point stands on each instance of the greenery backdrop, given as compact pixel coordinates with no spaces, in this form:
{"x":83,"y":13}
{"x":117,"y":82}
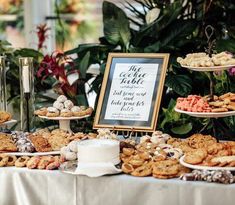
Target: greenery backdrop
{"x":154,"y":26}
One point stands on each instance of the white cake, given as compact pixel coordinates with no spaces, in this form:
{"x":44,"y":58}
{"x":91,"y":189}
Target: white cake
{"x":99,"y":151}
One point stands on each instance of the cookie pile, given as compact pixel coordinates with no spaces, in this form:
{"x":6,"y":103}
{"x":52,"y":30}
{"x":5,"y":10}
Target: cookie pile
{"x":219,"y":176}
{"x":152,"y":157}
{"x":22,"y":141}
{"x":4,"y":116}
{"x":44,"y":162}
{"x":6,"y":143}
{"x":64,"y":108}
{"x":223,"y":103}
{"x":203,"y":60}
{"x":42,"y":140}
{"x":204,"y":150}
{"x":195,"y":103}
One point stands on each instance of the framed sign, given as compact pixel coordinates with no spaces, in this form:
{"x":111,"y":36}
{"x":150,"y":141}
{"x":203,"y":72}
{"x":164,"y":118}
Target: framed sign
{"x":131,"y":91}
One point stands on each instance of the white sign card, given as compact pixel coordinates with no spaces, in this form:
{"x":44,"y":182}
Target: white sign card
{"x":131,"y":91}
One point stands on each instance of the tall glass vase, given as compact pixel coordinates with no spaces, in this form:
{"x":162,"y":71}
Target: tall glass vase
{"x":26,"y":72}
{"x":3,"y":88}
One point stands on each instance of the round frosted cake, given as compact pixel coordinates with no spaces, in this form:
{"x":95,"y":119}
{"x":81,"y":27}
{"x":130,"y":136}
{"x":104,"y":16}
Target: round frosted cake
{"x":99,"y":151}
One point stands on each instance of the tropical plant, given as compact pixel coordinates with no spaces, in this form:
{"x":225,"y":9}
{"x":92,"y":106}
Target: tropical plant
{"x":177,"y":28}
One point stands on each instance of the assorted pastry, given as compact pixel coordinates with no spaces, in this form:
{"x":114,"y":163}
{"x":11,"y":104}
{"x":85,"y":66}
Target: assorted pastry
{"x":36,"y":162}
{"x":63,"y":107}
{"x":218,"y":176}
{"x":204,"y":60}
{"x":152,"y":157}
{"x":69,"y":152}
{"x":40,"y":141}
{"x":204,"y":150}
{"x":195,"y":103}
{"x":4,"y":116}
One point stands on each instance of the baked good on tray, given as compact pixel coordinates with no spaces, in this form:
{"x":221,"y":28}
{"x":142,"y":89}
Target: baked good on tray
{"x":40,"y":143}
{"x":203,"y":59}
{"x":4,"y":116}
{"x":63,"y":107}
{"x":6,"y":143}
{"x":195,"y":103}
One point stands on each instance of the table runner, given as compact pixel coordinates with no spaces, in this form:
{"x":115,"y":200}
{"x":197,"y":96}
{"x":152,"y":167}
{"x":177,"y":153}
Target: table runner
{"x":20,"y":186}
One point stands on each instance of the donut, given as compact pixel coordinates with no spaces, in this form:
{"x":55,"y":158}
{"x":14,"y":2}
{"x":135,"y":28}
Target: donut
{"x":75,"y":109}
{"x":33,"y":162}
{"x":52,"y":112}
{"x":44,"y":161}
{"x":53,"y":165}
{"x":3,"y":160}
{"x":61,"y":98}
{"x":66,"y":113}
{"x":70,"y":156}
{"x":89,"y":111}
{"x":42,"y":111}
{"x":58,"y":105}
{"x":22,"y":161}
{"x":73,"y":146}
{"x":11,"y":160}
{"x":68,"y":104}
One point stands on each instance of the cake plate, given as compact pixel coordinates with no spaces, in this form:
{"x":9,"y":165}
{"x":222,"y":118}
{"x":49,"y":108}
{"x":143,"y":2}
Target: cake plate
{"x":32,"y":154}
{"x":200,"y":167}
{"x":64,"y":122}
{"x":8,"y":123}
{"x":206,"y":114}
{"x":209,"y":69}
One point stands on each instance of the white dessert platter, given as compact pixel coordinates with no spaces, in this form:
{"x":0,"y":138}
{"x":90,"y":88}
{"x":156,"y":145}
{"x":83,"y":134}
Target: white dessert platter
{"x":210,"y":69}
{"x":206,"y":114}
{"x":8,"y":122}
{"x":64,"y":122}
{"x":32,"y":154}
{"x":200,"y":167}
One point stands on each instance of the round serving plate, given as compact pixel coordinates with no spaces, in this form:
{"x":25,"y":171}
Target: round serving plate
{"x":64,"y":122}
{"x":206,"y":114}
{"x":200,"y":167}
{"x":8,"y":122}
{"x":63,"y":118}
{"x":32,"y":154}
{"x":212,"y":68}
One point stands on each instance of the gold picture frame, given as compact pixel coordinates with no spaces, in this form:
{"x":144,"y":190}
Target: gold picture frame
{"x":131,"y":91}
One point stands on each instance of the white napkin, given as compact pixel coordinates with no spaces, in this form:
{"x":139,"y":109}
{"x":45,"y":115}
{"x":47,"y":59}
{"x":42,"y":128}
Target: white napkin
{"x":96,"y":169}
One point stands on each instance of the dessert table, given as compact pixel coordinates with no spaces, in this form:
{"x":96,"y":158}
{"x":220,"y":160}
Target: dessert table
{"x":20,"y":186}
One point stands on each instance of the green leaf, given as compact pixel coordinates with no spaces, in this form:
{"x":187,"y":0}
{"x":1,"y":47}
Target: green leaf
{"x":84,"y":64}
{"x":178,"y":30}
{"x":181,"y":84}
{"x":116,"y":25}
{"x":169,"y":114}
{"x":183,"y":129}
{"x":81,"y":100}
{"x":225,"y":45}
{"x":169,"y":15}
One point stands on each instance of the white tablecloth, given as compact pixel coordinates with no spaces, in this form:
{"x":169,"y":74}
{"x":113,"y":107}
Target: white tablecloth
{"x":34,"y":187}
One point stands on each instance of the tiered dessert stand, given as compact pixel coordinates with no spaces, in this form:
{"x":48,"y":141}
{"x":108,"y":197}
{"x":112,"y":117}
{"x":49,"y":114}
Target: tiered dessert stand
{"x":64,"y":122}
{"x":209,"y":71}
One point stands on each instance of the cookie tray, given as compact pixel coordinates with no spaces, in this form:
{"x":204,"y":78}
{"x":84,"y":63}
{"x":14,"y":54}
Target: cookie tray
{"x":32,"y":154}
{"x":206,"y":114}
{"x":211,"y":68}
{"x":200,"y":167}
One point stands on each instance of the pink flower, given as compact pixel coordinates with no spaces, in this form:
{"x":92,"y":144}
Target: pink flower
{"x":231,"y":71}
{"x":55,"y":65}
